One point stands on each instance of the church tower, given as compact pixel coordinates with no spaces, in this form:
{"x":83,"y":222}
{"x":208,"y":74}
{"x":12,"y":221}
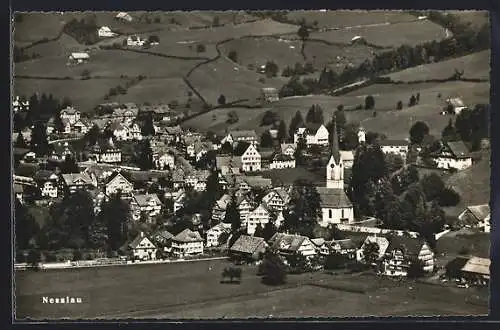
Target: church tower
{"x":335,"y":167}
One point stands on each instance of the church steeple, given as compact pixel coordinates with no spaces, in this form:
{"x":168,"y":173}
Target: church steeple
{"x":335,"y":167}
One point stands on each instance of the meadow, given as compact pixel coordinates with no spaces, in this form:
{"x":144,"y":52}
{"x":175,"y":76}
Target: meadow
{"x":193,"y":289}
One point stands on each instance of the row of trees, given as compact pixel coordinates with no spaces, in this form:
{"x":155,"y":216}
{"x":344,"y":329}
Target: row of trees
{"x":83,"y":30}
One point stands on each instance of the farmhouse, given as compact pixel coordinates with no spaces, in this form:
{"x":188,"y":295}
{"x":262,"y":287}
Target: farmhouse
{"x":61,"y":151}
{"x":276,"y":199}
{"x":47,"y":182}
{"x":117,"y":182}
{"x":77,"y":181}
{"x":280,"y":161}
{"x":473,"y":270}
{"x":396,"y":147}
{"x":248,"y":248}
{"x":260,"y":215}
{"x":197,"y":180}
{"x":288,"y":244}
{"x":142,"y":248}
{"x":345,"y":247}
{"x":456,"y":104}
{"x":70,"y":114}
{"x":402,"y":250}
{"x":135,"y":41}
{"x":163,"y":239}
{"x":122,"y":16}
{"x":476,"y":216}
{"x":215,"y":234}
{"x":219,"y":209}
{"x":20,"y":104}
{"x":148,"y":204}
{"x":245,"y":205}
{"x":105,"y":32}
{"x":78,"y":58}
{"x":186,"y":243}
{"x":105,"y":152}
{"x":347,"y":158}
{"x":233,"y":137}
{"x":453,"y":155}
{"x":269,"y":94}
{"x":251,"y":160}
{"x":358,"y":40}
{"x":314,"y":134}
{"x":288,"y":149}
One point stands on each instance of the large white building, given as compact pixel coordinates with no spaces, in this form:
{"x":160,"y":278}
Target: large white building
{"x":251,"y":160}
{"x":335,"y":205}
{"x":313,"y":134}
{"x":260,"y":215}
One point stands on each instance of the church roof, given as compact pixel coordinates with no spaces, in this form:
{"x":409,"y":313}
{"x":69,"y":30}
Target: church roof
{"x":333,"y":198}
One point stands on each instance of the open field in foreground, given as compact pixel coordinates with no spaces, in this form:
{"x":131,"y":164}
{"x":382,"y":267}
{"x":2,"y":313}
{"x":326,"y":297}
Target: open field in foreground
{"x":475,"y":66}
{"x":193,"y":289}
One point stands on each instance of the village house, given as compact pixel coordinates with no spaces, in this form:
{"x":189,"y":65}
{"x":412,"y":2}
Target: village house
{"x":70,"y":114}
{"x":78,"y":58}
{"x":142,"y":248}
{"x":147,"y":204}
{"x":178,"y":197}
{"x":456,"y":104}
{"x":347,"y":158}
{"x":277,"y":199}
{"x":313,"y":134}
{"x":233,"y":137}
{"x":19,"y":192}
{"x":20,"y":104}
{"x":476,"y":216}
{"x":178,"y":178}
{"x":77,"y":181}
{"x":61,"y":151}
{"x":105,"y":32}
{"x":197,"y":180}
{"x":219,"y":208}
{"x":471,"y":271}
{"x":280,"y":161}
{"x":335,"y":205}
{"x":402,"y":250}
{"x":135,"y":41}
{"x":48,"y":183}
{"x":269,"y":94}
{"x":200,"y":149}
{"x":215,"y":233}
{"x":163,"y":160}
{"x":245,"y":205}
{"x":251,"y":160}
{"x":453,"y":155}
{"x":82,"y":126}
{"x":382,"y":243}
{"x":260,"y":215}
{"x":123,"y":17}
{"x":105,"y":152}
{"x":288,"y":244}
{"x":344,"y":247}
{"x":395,"y":147}
{"x":173,"y":134}
{"x":248,"y":248}
{"x":228,"y":164}
{"x":159,"y":112}
{"x":125,"y":111}
{"x":163,"y":240}
{"x":117,"y":182}
{"x":187,"y":243}
{"x":288,"y":149}
{"x":361,"y":135}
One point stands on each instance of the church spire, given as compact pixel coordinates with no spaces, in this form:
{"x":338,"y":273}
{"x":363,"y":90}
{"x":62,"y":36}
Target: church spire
{"x":335,"y":142}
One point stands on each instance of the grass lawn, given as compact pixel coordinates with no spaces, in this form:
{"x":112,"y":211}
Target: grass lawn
{"x":345,"y":18}
{"x":388,"y":35}
{"x":164,"y":291}
{"x":288,"y":176}
{"x":477,"y":18}
{"x":85,"y":94}
{"x":475,"y":243}
{"x":37,"y":26}
{"x":475,"y":66}
{"x":108,"y":63}
{"x":473,"y":185}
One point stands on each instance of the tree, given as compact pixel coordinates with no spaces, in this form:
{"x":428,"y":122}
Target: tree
{"x":266,"y":140}
{"x":315,"y":115}
{"x":449,"y":133}
{"x":433,"y":185}
{"x":26,"y":227}
{"x":269,"y":118}
{"x":412,"y":101}
{"x":69,"y":166}
{"x":115,"y":214}
{"x":272,"y":269}
{"x":200,"y":48}
{"x":394,"y":162}
{"x":418,"y":131}
{"x":233,"y":56}
{"x":231,"y":273}
{"x":33,"y":259}
{"x":369,"y":102}
{"x":335,"y":261}
{"x":305,"y":208}
{"x":448,"y":197}
{"x":303,"y":32}
{"x":282,"y":132}
{"x":216,"y":21}
{"x":232,"y":215}
{"x":370,"y":252}
{"x":268,"y":231}
{"x":232,"y":117}
{"x":39,"y":141}
{"x":221,"y":100}
{"x":271,"y":69}
{"x":399,"y":105}
{"x":148,"y":127}
{"x":384,"y":196}
{"x":259,"y":231}
{"x":92,"y":135}
{"x":145,"y":160}
{"x":415,"y":269}
{"x":297,"y":263}
{"x":20,"y":142}
{"x":153,"y":39}
{"x":296,"y":122}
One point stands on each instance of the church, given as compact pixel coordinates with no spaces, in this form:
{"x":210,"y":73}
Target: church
{"x":335,"y":205}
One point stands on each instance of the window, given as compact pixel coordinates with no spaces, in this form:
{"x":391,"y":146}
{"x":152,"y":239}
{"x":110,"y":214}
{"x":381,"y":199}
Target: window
{"x":342,"y":214}
{"x":330,"y":214}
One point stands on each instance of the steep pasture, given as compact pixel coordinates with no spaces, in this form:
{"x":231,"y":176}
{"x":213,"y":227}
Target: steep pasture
{"x":215,"y":120}
{"x":475,"y":66}
{"x":387,"y":35}
{"x":345,"y":18}
{"x":35,"y":26}
{"x":63,"y":47}
{"x":476,"y":18}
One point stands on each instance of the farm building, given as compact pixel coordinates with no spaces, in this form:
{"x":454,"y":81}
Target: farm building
{"x":288,"y":149}
{"x":358,"y":40}
{"x":402,"y":250}
{"x":473,"y":270}
{"x":453,"y":155}
{"x":135,"y":41}
{"x":78,"y":58}
{"x":105,"y":32}
{"x":396,"y":147}
{"x":70,"y":114}
{"x":277,"y":198}
{"x":248,"y":248}
{"x":142,"y":248}
{"x":122,"y":16}
{"x":280,"y":161}
{"x":476,"y":216}
{"x":187,"y":242}
{"x":269,"y":94}
{"x":148,"y":204}
{"x":77,"y":181}
{"x":314,"y":134}
{"x":456,"y":104}
{"x":105,"y":152}
{"x":163,"y":239}
{"x":118,"y":181}
{"x":288,"y":244}
{"x":249,"y":136}
{"x":215,"y":233}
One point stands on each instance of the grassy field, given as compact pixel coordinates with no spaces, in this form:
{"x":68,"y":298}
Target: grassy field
{"x":345,"y":18}
{"x":289,"y":175}
{"x":108,"y":63}
{"x":473,"y":185}
{"x":387,"y":35}
{"x":475,"y":244}
{"x":475,"y":66}
{"x":85,"y":94}
{"x":166,"y":291}
{"x":476,"y":18}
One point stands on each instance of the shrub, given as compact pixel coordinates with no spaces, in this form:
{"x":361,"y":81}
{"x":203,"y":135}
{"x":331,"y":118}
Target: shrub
{"x":200,"y":48}
{"x":399,"y":106}
{"x":221,"y":100}
{"x":448,"y":197}
{"x":369,"y":102}
{"x":359,"y":107}
{"x":77,"y":255}
{"x":50,"y":257}
{"x":233,"y":56}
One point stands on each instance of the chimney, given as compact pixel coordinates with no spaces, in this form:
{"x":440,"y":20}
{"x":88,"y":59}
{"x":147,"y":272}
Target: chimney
{"x":142,"y":234}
